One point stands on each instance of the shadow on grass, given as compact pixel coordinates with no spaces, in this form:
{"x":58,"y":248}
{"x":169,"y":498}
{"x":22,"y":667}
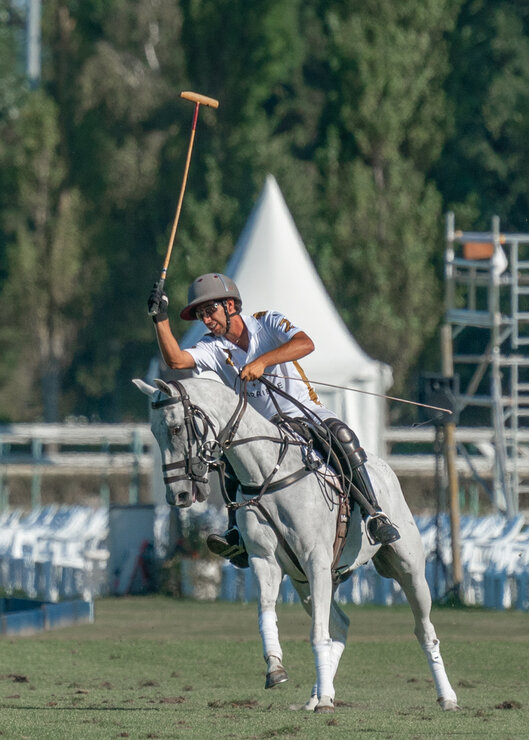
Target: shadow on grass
{"x":81,"y":709}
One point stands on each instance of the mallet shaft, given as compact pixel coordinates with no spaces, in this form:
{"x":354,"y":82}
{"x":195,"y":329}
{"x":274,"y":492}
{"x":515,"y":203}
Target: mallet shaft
{"x":199,"y":100}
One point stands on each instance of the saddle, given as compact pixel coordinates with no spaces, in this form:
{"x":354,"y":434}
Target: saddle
{"x":318,"y":440}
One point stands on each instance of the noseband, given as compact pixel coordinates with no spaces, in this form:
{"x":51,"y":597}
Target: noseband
{"x":195,"y":466}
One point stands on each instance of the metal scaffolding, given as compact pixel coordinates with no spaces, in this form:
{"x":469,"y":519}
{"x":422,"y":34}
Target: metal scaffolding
{"x":487,"y":310}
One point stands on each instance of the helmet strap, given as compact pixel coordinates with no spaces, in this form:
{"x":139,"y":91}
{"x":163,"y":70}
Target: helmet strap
{"x":228,"y":315}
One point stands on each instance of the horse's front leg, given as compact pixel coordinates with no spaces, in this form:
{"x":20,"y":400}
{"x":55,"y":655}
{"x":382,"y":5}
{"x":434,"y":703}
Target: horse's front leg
{"x":269,"y":575}
{"x":319,"y":574}
{"x":262,"y":546}
{"x":339,"y":626}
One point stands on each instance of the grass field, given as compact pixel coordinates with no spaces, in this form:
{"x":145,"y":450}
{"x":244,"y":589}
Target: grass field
{"x":154,"y":667}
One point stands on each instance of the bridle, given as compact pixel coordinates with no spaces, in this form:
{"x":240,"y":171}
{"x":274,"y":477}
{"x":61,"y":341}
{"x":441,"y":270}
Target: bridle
{"x":195,"y":466}
{"x":209,"y":452}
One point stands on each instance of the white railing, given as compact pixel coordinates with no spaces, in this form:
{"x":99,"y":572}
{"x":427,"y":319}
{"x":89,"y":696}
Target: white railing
{"x":35,"y":450}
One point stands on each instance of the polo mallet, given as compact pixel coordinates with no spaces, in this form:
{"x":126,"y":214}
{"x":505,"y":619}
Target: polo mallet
{"x":198,"y":99}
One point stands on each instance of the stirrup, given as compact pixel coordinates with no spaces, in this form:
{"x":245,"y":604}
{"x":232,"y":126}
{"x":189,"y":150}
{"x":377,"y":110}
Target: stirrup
{"x":229,"y":546}
{"x":379,"y":529}
{"x":226,"y":545}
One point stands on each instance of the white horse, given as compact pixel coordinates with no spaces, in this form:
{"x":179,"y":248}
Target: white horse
{"x":297,"y":532}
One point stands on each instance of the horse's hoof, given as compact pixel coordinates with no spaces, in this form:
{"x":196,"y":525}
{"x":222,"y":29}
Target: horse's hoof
{"x":312,"y":703}
{"x":274,"y":678}
{"x":325,"y":705}
{"x":448,"y":705}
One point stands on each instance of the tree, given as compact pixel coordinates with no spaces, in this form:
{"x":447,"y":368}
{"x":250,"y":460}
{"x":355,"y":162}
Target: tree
{"x":482,"y":168}
{"x":46,"y":254}
{"x":382,"y":127}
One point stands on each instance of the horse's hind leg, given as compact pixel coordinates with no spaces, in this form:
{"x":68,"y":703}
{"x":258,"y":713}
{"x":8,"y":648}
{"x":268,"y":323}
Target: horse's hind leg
{"x":409,"y":574}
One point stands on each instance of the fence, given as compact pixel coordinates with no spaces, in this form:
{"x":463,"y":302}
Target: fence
{"x":37,"y":450}
{"x":80,"y":450}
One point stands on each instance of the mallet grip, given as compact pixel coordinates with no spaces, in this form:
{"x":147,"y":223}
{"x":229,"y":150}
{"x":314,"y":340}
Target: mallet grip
{"x":198,"y":98}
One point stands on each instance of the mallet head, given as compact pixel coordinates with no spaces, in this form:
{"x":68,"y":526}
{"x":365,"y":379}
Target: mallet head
{"x":198,"y":98}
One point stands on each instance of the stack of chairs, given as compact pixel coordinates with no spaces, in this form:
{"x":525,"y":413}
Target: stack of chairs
{"x":54,"y":552}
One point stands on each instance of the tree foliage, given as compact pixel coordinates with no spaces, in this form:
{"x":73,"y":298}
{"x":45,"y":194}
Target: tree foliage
{"x":375,"y":118}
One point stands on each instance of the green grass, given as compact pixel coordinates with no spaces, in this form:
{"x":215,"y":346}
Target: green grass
{"x":159,"y":668}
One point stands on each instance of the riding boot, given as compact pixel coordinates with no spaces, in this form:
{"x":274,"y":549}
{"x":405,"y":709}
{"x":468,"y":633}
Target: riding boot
{"x":229,"y":545}
{"x":378,"y":525}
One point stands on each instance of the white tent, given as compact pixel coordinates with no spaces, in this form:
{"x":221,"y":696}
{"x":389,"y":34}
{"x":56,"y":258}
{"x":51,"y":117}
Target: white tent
{"x":273,"y":270}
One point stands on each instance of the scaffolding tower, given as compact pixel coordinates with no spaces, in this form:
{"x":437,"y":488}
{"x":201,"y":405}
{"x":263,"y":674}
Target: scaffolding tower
{"x":487,"y":310}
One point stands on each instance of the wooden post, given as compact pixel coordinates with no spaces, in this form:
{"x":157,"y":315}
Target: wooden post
{"x":36,"y":452}
{"x":134,"y":484}
{"x":450,"y":458}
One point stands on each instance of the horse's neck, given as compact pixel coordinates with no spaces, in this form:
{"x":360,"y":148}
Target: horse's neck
{"x":255,"y":459}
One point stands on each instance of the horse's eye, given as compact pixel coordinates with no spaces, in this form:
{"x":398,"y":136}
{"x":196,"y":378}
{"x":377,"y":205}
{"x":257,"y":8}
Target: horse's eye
{"x":175,"y":431}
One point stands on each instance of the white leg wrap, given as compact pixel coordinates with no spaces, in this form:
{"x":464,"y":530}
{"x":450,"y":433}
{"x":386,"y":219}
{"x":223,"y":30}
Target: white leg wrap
{"x":324,"y":668}
{"x":270,"y":634}
{"x":337,"y":649}
{"x":435,"y":661}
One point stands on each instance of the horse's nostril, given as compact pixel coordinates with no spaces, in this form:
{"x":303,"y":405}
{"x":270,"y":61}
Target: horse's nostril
{"x":182,"y":497}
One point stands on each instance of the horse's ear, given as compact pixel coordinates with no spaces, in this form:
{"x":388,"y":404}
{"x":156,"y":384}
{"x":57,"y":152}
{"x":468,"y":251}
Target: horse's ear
{"x":164,"y":387}
{"x":144,"y":387}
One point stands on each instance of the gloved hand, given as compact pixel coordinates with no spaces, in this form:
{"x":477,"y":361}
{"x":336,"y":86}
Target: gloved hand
{"x":158,"y":303}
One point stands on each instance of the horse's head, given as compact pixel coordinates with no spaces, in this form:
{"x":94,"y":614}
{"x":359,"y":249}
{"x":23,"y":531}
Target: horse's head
{"x":181,"y":429}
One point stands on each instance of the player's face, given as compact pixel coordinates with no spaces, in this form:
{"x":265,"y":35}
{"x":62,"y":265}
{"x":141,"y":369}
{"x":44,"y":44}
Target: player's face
{"x":213,"y":316}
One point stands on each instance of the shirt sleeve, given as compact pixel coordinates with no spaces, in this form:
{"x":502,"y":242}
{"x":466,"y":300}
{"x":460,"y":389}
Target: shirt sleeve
{"x":204,"y":356}
{"x":278,"y":326}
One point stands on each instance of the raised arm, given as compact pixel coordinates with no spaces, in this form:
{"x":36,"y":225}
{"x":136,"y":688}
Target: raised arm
{"x":175,"y":357}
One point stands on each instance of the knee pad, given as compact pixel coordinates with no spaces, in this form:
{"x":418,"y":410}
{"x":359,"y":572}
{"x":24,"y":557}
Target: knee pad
{"x":349,"y":441}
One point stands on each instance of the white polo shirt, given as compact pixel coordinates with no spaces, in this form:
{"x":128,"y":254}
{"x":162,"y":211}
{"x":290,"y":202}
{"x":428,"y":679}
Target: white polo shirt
{"x":267,"y":330}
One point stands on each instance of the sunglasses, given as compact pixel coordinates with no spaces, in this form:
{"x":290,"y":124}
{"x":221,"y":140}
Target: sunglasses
{"x":206,"y":311}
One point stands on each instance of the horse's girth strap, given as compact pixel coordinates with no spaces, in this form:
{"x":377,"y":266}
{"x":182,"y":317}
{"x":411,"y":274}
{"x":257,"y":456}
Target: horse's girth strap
{"x":282,"y":541}
{"x":342,"y":527}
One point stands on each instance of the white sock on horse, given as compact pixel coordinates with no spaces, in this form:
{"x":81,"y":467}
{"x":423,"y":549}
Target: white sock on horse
{"x":435,"y":661}
{"x":269,"y":634}
{"x":337,"y":649}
